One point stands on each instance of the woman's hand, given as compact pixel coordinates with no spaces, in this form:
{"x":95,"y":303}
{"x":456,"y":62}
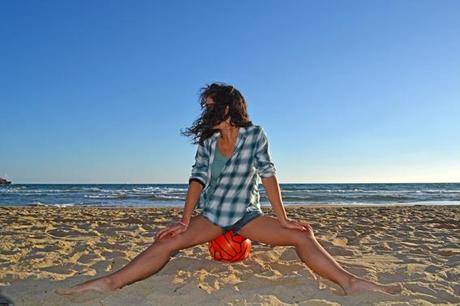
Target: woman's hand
{"x":171,"y":231}
{"x":294,"y":224}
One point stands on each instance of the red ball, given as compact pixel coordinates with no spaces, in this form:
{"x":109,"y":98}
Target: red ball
{"x":230,"y":247}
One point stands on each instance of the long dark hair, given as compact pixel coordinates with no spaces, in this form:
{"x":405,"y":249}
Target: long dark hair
{"x":223,"y":95}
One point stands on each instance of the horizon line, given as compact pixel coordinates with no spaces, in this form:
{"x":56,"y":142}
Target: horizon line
{"x":317,"y":183}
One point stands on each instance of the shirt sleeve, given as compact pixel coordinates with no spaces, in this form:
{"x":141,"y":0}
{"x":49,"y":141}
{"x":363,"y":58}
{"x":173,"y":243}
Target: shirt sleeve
{"x":200,"y":167}
{"x":263,"y":162}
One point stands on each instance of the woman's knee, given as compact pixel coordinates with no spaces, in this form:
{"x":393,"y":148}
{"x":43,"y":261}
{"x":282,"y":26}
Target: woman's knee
{"x":310,"y":232}
{"x":168,"y":245}
{"x":301,"y":237}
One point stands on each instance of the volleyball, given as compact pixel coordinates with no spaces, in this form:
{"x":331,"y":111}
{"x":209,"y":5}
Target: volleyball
{"x":230,"y":247}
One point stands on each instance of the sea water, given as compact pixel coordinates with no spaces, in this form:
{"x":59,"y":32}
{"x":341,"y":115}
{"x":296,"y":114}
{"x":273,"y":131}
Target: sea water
{"x":156,"y":195}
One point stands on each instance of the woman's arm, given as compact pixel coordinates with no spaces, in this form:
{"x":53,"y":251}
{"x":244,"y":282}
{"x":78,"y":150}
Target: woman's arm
{"x":201,"y":166}
{"x":274,"y":196}
{"x":272,"y":189}
{"x":193,"y":194}
{"x":197,"y":181}
{"x":263,"y":160}
{"x":267,"y":172}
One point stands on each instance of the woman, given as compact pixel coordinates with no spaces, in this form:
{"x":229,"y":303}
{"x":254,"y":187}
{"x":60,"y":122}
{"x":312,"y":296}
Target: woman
{"x":232,"y":154}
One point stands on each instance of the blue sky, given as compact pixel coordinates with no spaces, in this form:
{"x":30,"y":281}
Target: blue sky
{"x":347,"y":91}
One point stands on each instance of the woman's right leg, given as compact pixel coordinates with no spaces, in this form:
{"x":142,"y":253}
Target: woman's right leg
{"x":267,"y":229}
{"x":152,"y":259}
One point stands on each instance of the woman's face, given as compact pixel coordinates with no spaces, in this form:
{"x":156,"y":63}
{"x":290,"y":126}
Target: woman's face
{"x":210,"y":102}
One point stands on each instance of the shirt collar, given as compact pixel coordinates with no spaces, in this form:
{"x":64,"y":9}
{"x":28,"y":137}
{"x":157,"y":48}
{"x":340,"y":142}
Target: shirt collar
{"x":239,"y":141}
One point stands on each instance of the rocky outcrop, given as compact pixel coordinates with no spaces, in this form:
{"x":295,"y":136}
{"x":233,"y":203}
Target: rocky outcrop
{"x":4,"y":181}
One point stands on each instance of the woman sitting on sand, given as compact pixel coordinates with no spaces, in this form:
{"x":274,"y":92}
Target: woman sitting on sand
{"x":232,"y":154}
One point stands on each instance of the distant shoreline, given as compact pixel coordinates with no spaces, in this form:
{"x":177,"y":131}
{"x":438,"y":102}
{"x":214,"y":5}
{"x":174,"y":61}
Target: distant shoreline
{"x":262,"y":206}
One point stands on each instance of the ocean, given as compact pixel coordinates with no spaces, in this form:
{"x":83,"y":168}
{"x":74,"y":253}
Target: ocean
{"x":173,"y":195}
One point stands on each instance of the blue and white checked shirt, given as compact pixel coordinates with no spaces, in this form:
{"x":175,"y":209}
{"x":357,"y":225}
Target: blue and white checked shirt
{"x":237,"y":188}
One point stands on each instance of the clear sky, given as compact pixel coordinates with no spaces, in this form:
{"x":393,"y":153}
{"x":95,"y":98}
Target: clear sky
{"x":347,"y":91}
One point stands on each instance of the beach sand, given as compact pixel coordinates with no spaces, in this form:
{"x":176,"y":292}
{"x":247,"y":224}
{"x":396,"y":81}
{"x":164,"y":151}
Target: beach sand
{"x":45,"y":248}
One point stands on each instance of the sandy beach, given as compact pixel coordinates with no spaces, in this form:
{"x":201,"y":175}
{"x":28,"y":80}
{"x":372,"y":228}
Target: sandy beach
{"x":45,"y":248}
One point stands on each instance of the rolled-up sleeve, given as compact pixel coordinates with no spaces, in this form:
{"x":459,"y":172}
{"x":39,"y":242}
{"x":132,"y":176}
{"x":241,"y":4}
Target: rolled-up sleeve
{"x":263,"y":162}
{"x":200,"y":167}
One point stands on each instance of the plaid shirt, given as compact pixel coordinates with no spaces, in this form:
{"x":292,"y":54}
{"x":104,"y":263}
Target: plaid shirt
{"x":237,"y":189}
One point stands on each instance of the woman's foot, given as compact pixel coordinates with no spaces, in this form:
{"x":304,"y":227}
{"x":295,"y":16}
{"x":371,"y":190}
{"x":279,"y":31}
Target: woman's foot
{"x":103,"y":284}
{"x":359,"y":285}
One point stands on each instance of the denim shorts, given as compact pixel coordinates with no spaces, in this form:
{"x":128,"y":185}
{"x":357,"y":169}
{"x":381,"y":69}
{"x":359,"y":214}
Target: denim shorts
{"x":248,"y":217}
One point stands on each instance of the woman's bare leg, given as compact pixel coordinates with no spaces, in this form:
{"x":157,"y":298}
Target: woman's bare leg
{"x":152,"y":259}
{"x":267,"y":229}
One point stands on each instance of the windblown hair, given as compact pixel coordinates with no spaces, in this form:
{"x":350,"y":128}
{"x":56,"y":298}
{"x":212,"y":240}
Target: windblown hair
{"x":223,"y":95}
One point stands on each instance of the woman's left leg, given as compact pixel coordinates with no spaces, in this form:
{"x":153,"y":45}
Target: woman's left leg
{"x":267,"y":229}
